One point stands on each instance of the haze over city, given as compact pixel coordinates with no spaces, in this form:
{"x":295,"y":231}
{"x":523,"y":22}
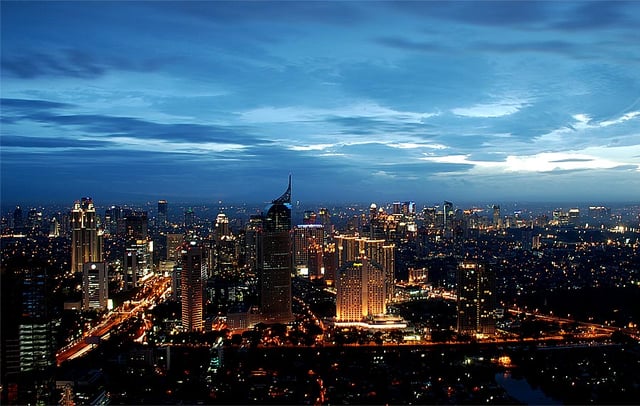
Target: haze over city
{"x":211,"y":101}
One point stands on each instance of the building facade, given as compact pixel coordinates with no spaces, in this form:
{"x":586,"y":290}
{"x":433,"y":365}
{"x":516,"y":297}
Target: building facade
{"x":192,"y":286}
{"x":95,"y":286}
{"x":86,"y":239}
{"x":476,"y":299}
{"x":274,"y":261}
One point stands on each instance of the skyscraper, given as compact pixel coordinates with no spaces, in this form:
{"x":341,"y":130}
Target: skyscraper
{"x":476,"y":298}
{"x":308,"y":243}
{"x":18,"y":221}
{"x":274,"y":260}
{"x":162,"y":214}
{"x":86,"y":239}
{"x":138,"y":258}
{"x":361,"y":291}
{"x":191,"y":286}
{"x":447,"y":219}
{"x":95,"y":286}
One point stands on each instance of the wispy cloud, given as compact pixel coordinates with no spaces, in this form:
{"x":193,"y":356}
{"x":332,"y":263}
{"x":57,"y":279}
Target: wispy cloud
{"x":490,"y":110}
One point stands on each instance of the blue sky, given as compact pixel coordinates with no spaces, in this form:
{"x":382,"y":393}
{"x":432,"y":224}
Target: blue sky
{"x":359,"y":101}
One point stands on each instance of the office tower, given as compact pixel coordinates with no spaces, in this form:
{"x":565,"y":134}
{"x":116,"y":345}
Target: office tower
{"x":136,"y":225}
{"x":325,"y":220}
{"x":86,"y":239}
{"x":251,"y":230}
{"x":54,"y":228}
{"x":447,"y":219}
{"x":360,"y":290}
{"x":192,"y":286}
{"x":497,"y":220}
{"x":35,"y":329}
{"x":189,"y":218}
{"x":95,"y":286}
{"x":308,"y":238}
{"x":163,"y":218}
{"x":138,"y":261}
{"x":34,"y":221}
{"x":476,"y":298}
{"x":574,"y":216}
{"x":174,"y":242}
{"x":396,"y":207}
{"x":18,"y":221}
{"x":221,"y":227}
{"x":274,"y":261}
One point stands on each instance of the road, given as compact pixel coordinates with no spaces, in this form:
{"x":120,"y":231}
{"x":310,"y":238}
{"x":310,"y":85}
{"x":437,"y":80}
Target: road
{"x":155,"y":289}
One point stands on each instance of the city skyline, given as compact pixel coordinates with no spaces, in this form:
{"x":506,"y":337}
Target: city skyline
{"x":210,"y":101}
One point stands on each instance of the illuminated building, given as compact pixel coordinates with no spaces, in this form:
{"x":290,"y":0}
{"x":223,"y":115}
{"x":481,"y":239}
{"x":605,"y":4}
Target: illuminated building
{"x":308,"y":246}
{"x":476,"y":299}
{"x":274,"y":261}
{"x":447,"y":219}
{"x":351,"y":248}
{"x":138,"y":260}
{"x":497,"y":220}
{"x":86,"y":240}
{"x":35,"y":329}
{"x":251,"y":231}
{"x":189,"y":218}
{"x":174,"y":242}
{"x":360,"y":287}
{"x":95,"y":286}
{"x":163,"y":219}
{"x":192,"y":286}
{"x":18,"y":221}
{"x":222,"y":227}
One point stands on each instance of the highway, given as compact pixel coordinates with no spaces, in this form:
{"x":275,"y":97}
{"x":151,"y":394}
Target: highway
{"x":154,"y":289}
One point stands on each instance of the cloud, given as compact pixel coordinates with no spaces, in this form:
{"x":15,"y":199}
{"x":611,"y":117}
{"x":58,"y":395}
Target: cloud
{"x":358,"y":110}
{"x":72,"y":62}
{"x":599,"y":14}
{"x":490,"y":110}
{"x":541,"y":162}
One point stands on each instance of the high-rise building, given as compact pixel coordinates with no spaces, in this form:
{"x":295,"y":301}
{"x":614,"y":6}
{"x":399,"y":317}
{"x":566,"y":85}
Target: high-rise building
{"x":18,"y":220}
{"x":497,"y":220}
{"x":163,"y":218}
{"x":174,"y":242}
{"x":447,"y":219}
{"x":95,"y":286}
{"x":86,"y":239}
{"x":361,"y":292}
{"x":192,"y":286}
{"x":35,"y":330}
{"x":351,"y":248}
{"x":221,"y":227}
{"x":111,"y":217}
{"x":274,"y":260}
{"x":476,"y":298}
{"x":189,"y":218}
{"x":138,"y":261}
{"x":308,"y":243}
